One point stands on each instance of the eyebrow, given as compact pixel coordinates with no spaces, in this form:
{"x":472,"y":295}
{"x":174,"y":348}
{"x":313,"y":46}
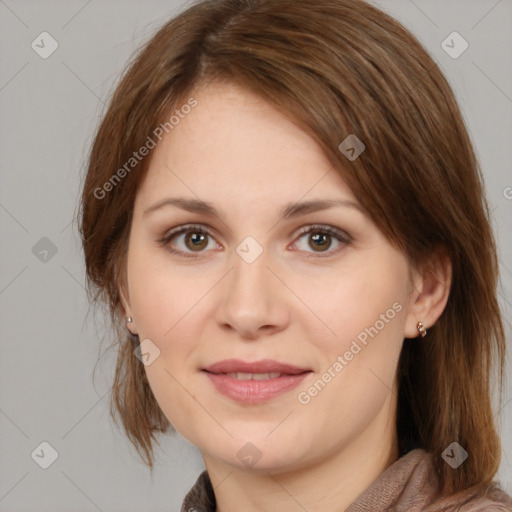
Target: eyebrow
{"x":288,"y":211}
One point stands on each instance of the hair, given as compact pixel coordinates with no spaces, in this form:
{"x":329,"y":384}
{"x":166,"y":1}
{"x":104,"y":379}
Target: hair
{"x":334,"y":67}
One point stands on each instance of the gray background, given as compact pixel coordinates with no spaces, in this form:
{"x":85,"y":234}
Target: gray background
{"x":50,"y":344}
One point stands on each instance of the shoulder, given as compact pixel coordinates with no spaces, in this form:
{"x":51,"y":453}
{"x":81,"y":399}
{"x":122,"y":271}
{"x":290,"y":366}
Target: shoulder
{"x":421,"y":489}
{"x":491,"y":499}
{"x":494,"y":500}
{"x":201,"y":497}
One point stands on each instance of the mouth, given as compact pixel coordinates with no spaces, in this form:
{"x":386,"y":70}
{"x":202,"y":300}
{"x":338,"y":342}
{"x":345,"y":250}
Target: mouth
{"x":251,"y":376}
{"x":256,"y":382}
{"x":263,"y":367}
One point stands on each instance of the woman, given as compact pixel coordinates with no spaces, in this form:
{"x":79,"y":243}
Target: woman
{"x":286,"y":217}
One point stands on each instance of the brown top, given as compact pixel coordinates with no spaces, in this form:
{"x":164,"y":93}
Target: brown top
{"x":408,"y":485}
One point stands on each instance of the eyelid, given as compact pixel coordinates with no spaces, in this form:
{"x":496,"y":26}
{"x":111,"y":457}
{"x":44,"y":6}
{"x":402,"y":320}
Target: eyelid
{"x":324,"y":228}
{"x":341,"y":236}
{"x":183,"y":229}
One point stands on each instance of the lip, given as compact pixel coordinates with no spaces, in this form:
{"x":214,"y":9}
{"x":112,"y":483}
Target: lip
{"x":263,"y":366}
{"x":254,"y":391}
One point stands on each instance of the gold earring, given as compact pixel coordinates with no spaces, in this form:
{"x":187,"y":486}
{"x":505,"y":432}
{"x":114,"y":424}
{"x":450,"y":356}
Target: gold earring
{"x":421,"y":329}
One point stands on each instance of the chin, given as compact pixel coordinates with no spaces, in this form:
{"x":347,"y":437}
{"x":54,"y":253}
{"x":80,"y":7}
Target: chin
{"x":259,"y":456}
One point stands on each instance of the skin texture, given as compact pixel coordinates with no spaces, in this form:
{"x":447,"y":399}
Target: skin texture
{"x":247,"y":159}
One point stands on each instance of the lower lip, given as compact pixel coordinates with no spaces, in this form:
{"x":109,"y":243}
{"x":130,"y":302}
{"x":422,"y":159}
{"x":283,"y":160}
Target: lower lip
{"x":255,"y":391}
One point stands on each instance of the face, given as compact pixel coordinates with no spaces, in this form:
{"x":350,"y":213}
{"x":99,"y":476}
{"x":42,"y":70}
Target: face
{"x":318,"y":295}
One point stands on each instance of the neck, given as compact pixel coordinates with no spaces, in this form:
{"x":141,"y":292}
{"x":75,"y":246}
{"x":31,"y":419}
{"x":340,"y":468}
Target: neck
{"x":332,"y":483}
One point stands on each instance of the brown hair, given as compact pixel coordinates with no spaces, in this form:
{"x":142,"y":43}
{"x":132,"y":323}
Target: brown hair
{"x":335,"y":67}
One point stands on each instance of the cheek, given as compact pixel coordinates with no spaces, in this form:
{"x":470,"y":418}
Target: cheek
{"x":165,"y":305}
{"x":364,"y":310}
{"x":160,"y":296}
{"x":358,"y":363}
{"x":355,"y":301}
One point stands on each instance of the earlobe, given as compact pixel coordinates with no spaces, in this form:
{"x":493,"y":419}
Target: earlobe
{"x":430,"y":295}
{"x":130,"y":325}
{"x":421,"y":329}
{"x":127,"y":314}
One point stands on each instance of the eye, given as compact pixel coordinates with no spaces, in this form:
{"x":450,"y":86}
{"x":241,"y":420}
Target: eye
{"x":320,"y":237}
{"x":196,"y":239}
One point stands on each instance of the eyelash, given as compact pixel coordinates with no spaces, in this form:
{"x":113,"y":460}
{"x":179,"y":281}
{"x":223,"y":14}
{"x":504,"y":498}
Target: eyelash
{"x":197,"y":228}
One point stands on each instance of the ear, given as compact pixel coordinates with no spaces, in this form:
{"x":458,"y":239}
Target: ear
{"x":430,"y":291}
{"x":126,"y":310}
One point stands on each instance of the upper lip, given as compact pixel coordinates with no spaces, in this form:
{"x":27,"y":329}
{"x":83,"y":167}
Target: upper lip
{"x":262,"y":366}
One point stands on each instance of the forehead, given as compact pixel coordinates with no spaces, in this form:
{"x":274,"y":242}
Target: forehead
{"x":233,"y":144}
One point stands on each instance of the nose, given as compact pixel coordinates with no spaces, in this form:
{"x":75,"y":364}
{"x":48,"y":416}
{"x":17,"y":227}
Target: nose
{"x":252,"y":301}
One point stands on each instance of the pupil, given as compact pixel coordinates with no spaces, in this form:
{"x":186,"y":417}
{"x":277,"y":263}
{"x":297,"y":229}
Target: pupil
{"x":196,"y":237}
{"x":318,"y":237}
